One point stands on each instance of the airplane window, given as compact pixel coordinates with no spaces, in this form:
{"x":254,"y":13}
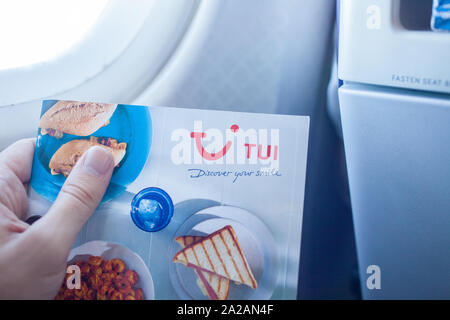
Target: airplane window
{"x":38,"y":31}
{"x":80,"y":47}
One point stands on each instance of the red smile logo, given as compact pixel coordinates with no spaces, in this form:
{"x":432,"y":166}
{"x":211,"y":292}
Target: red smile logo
{"x":198,"y":136}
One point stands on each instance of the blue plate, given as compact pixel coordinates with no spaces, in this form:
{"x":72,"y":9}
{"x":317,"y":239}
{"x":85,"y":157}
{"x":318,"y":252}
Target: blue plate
{"x":129,"y":123}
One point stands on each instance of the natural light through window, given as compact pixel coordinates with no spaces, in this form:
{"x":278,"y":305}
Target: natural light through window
{"x":36,"y":31}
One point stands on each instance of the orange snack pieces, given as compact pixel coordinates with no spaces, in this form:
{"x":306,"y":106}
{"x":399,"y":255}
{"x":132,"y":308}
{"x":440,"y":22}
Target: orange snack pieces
{"x":103,"y":280}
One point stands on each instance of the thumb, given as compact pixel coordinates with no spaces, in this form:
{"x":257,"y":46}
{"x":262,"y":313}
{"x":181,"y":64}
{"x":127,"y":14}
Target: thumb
{"x":79,"y":197}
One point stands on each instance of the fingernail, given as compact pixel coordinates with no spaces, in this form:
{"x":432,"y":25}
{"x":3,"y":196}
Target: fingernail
{"x":98,"y":161}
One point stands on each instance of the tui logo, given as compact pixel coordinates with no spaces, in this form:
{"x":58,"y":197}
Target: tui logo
{"x":234,"y":145}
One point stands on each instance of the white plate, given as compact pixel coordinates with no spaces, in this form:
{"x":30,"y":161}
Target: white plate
{"x":108,"y":251}
{"x":257,"y":244}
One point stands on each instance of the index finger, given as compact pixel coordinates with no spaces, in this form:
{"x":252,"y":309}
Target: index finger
{"x":18,"y":158}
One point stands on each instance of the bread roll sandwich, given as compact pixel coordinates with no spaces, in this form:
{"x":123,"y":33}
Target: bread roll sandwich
{"x":68,"y":154}
{"x":77,"y":118}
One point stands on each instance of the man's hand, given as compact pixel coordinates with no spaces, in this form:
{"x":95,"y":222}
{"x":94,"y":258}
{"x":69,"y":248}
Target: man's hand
{"x":33,"y":258}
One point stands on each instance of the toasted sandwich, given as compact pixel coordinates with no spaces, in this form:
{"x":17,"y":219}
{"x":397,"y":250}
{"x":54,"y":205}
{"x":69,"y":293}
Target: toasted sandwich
{"x":77,"y":118}
{"x":65,"y":158}
{"x":213,"y":286}
{"x":220,"y":254}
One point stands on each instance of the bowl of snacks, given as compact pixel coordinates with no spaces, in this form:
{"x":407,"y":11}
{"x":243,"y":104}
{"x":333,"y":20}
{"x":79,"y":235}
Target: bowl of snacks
{"x":107,"y":271}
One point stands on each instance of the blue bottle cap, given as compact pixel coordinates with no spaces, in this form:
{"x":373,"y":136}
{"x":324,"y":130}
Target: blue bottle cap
{"x":151,"y":209}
